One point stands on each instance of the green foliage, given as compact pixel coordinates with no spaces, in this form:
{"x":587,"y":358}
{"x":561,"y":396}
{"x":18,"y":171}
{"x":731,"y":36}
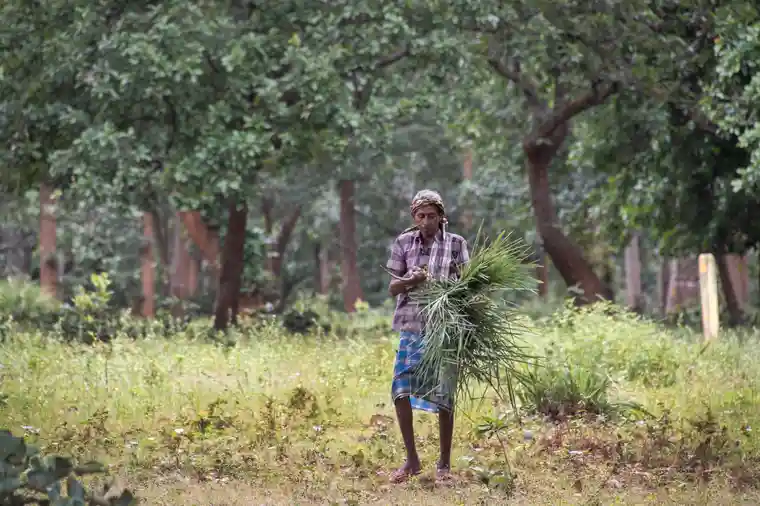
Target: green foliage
{"x":467,"y":330}
{"x":26,"y":302}
{"x":90,"y":318}
{"x":558,"y":391}
{"x":25,"y":474}
{"x":279,"y":407}
{"x":321,"y":403}
{"x":94,"y":303}
{"x":731,"y":97}
{"x":602,"y":338}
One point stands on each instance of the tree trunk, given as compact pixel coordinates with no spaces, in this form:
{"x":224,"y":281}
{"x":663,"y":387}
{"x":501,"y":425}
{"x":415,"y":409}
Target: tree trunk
{"x":48,"y":260}
{"x":203,"y":237}
{"x":160,"y":237}
{"x":633,"y":274}
{"x":321,"y":270}
{"x":663,"y":275}
{"x":179,"y":268}
{"x":14,"y":243}
{"x":213,"y":269}
{"x":566,"y":256}
{"x":352,"y":290}
{"x":193,"y":271}
{"x":542,"y":271}
{"x":735,"y":313}
{"x":737,"y":267}
{"x":671,"y":302}
{"x":230,"y":278}
{"x":283,"y":240}
{"x":148,"y":264}
{"x":279,"y":244}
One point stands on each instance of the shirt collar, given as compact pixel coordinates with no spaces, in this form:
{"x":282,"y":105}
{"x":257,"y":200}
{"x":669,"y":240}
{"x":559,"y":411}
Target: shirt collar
{"x":439,"y":237}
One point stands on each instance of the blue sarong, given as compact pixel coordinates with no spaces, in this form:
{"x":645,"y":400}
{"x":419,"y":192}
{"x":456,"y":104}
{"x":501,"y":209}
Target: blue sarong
{"x":423,"y":393}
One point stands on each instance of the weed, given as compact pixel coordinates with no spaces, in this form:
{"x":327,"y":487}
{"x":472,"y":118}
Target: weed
{"x":304,"y":419}
{"x":561,"y":390}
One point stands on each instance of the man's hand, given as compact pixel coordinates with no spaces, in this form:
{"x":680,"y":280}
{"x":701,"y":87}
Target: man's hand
{"x":417,"y":276}
{"x":412,"y":279}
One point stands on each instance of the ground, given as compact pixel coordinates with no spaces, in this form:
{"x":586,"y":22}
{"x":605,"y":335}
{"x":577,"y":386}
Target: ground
{"x":279,"y":419}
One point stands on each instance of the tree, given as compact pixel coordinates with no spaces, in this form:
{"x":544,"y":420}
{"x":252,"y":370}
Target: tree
{"x":563,"y":59}
{"x":668,"y":162}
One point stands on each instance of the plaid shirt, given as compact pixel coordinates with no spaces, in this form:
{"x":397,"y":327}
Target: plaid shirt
{"x":407,"y":252}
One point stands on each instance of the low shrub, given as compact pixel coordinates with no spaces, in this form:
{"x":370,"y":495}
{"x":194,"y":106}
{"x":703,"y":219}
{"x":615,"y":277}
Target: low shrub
{"x":315,"y":409}
{"x":27,"y":477}
{"x":623,"y":344}
{"x":22,"y":301}
{"x":561,"y":390}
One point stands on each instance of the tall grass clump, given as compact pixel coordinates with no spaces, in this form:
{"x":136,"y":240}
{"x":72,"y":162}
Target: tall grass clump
{"x":471,"y":332}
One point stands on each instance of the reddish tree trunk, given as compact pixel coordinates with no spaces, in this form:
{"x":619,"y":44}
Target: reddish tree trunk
{"x":673,"y":296}
{"x":205,"y":239}
{"x":663,"y":275}
{"x":283,"y":239}
{"x":276,"y":249}
{"x":148,"y":264}
{"x":193,"y":271}
{"x":213,"y":239}
{"x":160,"y":238}
{"x":48,"y":261}
{"x":180,"y":268}
{"x":321,"y":270}
{"x":737,"y":267}
{"x":683,"y":284}
{"x":735,"y":313}
{"x":230,"y":278}
{"x":566,"y":256}
{"x":352,"y":290}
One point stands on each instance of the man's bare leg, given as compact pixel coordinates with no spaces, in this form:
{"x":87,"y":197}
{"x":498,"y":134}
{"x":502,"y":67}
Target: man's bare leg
{"x":445,"y":435}
{"x":406,"y":425}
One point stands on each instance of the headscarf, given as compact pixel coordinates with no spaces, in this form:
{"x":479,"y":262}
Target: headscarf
{"x":428,"y":198}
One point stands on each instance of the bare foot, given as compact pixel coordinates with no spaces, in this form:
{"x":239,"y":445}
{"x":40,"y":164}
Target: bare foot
{"x":405,"y":472}
{"x":443,"y":474}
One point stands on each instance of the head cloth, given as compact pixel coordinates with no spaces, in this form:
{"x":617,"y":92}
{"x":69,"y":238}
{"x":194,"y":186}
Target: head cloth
{"x":428,"y":198}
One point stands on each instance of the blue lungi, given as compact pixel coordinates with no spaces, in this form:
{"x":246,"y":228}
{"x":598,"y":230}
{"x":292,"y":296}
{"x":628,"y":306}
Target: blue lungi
{"x":423,"y":393}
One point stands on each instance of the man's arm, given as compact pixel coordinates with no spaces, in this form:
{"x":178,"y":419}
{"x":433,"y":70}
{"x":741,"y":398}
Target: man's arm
{"x":397,"y":265}
{"x":464,"y":257}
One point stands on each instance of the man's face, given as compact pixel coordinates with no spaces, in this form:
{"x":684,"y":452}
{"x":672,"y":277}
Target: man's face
{"x":428,"y":219}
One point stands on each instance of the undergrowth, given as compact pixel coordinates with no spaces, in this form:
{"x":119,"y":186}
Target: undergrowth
{"x":614,"y":403}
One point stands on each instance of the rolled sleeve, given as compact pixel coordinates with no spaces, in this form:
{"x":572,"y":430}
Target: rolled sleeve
{"x":465,"y":254}
{"x":397,"y":259}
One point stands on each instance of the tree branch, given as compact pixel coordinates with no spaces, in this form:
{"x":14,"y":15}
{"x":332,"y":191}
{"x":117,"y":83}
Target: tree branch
{"x":394,"y":57}
{"x":173,"y":121}
{"x":362,"y":94}
{"x":597,"y":95}
{"x":266,"y":211}
{"x":514,"y":74}
{"x":481,"y":28}
{"x":283,"y":238}
{"x":160,"y":235}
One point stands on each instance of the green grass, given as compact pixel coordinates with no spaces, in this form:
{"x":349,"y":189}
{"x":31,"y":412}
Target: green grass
{"x":279,"y":419}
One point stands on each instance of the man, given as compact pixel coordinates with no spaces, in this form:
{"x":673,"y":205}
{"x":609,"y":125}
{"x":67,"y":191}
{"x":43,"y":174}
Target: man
{"x":426,"y":244}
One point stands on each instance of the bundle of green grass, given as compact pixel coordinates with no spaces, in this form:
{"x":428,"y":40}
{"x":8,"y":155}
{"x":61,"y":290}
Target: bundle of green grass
{"x":470,"y":328}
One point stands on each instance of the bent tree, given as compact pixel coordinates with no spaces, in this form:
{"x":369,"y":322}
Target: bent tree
{"x":562,"y":59}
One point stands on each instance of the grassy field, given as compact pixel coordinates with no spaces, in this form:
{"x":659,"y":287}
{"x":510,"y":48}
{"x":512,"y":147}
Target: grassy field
{"x":280,"y":419}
